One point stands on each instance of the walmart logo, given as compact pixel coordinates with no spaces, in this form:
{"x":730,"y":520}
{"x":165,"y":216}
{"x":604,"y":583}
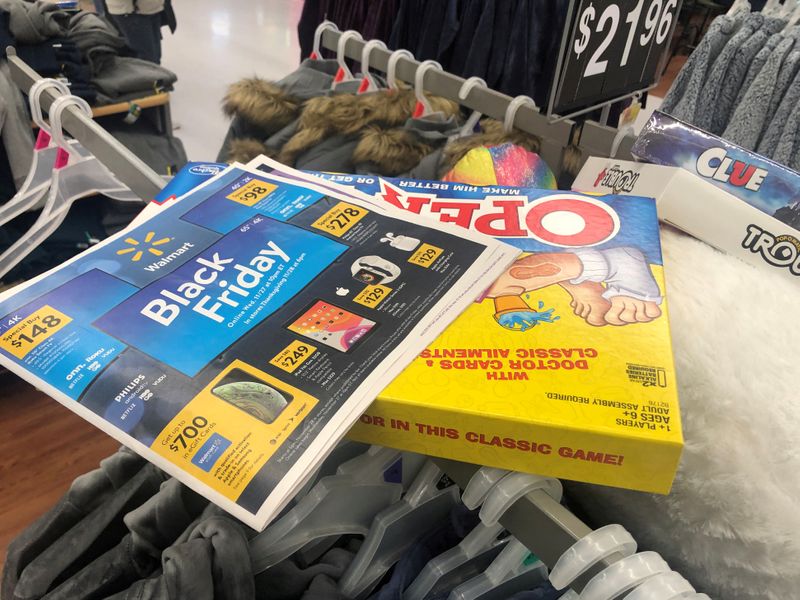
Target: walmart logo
{"x":148,"y":245}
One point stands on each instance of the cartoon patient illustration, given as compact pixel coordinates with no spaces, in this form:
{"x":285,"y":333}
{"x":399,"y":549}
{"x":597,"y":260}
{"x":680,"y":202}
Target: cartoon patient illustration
{"x":608,"y":287}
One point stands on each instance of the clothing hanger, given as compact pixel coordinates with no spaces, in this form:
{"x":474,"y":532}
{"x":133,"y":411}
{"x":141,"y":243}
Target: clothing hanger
{"x":513,"y":107}
{"x":340,"y":504}
{"x":468,"y":558}
{"x":588,"y":551}
{"x":480,"y":484}
{"x":794,"y":17}
{"x":423,"y":108}
{"x":37,"y":182}
{"x":463,"y":94}
{"x":514,"y":570}
{"x":368,"y":83}
{"x":391,"y":68}
{"x":664,"y":586}
{"x":738,"y":5}
{"x":316,"y":54}
{"x":511,"y":488}
{"x":770,"y":7}
{"x":624,"y":575}
{"x":74,"y":176}
{"x":344,"y":73}
{"x":395,"y":529}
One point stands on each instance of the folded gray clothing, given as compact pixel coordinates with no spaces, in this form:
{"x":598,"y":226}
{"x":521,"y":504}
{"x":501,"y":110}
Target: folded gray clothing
{"x":85,"y":494}
{"x":708,"y":110}
{"x":288,"y":580}
{"x":15,"y":127}
{"x":681,"y":100}
{"x":96,"y":533}
{"x":124,"y":74}
{"x":89,"y":30}
{"x":34,"y":22}
{"x":428,"y":167}
{"x":153,"y":526}
{"x":212,"y":564}
{"x":162,"y":153}
{"x":787,"y":145}
{"x":750,"y":117}
{"x":323,"y":587}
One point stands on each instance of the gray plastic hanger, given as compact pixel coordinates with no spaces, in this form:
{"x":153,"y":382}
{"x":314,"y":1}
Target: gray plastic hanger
{"x":345,"y":503}
{"x":395,"y":529}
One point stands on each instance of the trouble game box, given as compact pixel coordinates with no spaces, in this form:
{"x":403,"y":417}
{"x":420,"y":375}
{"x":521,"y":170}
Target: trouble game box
{"x":564,"y":366}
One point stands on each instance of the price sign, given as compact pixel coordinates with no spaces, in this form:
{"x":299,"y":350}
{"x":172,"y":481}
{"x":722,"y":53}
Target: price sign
{"x":294,"y":355}
{"x":340,"y":219}
{"x":425,"y":255}
{"x":615,"y":47}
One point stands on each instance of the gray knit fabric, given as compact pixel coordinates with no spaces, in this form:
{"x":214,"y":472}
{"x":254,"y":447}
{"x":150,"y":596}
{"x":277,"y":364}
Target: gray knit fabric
{"x":780,"y":123}
{"x":737,"y":71}
{"x":755,"y":67}
{"x":708,"y":110}
{"x":750,"y":116}
{"x":681,"y":100}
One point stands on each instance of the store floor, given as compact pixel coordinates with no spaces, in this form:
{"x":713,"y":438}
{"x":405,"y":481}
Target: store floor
{"x":44,"y":447}
{"x":215,"y":44}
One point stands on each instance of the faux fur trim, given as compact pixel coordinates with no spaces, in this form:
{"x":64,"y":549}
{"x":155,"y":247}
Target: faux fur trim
{"x":349,"y":114}
{"x":245,"y":149}
{"x":572,"y":160}
{"x":261,"y":103}
{"x":392,"y":151}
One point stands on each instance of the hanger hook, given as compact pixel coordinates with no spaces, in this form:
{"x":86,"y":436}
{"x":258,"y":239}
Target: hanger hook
{"x":466,"y":87}
{"x":391,"y":68}
{"x":513,"y":107}
{"x":366,"y":51}
{"x":56,"y":110}
{"x":463,"y":93}
{"x":344,"y":73}
{"x":419,"y":84}
{"x":35,"y":99}
{"x":321,"y":28}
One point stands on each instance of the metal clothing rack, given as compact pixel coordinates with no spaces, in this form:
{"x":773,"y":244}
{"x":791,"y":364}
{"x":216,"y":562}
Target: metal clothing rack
{"x":128,"y":167}
{"x":542,"y":524}
{"x":555,"y":136}
{"x":595,"y":139}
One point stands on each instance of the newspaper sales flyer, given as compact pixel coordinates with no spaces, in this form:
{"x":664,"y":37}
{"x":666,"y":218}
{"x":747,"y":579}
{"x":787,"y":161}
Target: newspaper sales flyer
{"x":234,"y":337}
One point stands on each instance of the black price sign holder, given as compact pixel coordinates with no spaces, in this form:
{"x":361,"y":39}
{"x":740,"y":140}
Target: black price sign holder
{"x":610,"y":50}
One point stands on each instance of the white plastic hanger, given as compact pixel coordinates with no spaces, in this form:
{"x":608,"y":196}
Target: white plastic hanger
{"x":470,"y":557}
{"x":588,"y":551}
{"x":514,"y":570}
{"x":368,"y":83}
{"x":794,"y":17}
{"x":480,"y":484}
{"x":463,"y":94}
{"x":624,"y":575}
{"x":321,"y":28}
{"x":664,"y":586}
{"x":770,"y":7}
{"x":391,"y":67}
{"x":74,"y":177}
{"x":34,"y":189}
{"x":395,"y":529}
{"x":738,"y":5}
{"x":513,"y":107}
{"x":345,"y":503}
{"x":344,"y":73}
{"x":423,"y":108}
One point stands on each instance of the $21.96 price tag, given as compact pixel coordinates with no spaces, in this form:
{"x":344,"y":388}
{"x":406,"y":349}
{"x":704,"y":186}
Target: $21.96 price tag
{"x":616,"y":47}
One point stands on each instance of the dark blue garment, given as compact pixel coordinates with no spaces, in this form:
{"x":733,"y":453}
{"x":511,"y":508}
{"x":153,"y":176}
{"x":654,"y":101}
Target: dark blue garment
{"x":470,"y":17}
{"x":427,"y":47}
{"x":427,"y":547}
{"x":483,"y":39}
{"x":514,"y":79}
{"x":449,"y":31}
{"x":546,"y":591}
{"x":503,"y":22}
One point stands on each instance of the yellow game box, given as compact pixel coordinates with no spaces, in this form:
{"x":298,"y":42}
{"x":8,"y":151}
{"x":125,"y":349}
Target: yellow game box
{"x":564,"y":366}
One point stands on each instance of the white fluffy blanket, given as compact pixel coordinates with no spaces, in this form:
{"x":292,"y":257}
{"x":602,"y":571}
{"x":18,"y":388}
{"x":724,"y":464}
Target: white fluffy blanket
{"x":732,"y":522}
